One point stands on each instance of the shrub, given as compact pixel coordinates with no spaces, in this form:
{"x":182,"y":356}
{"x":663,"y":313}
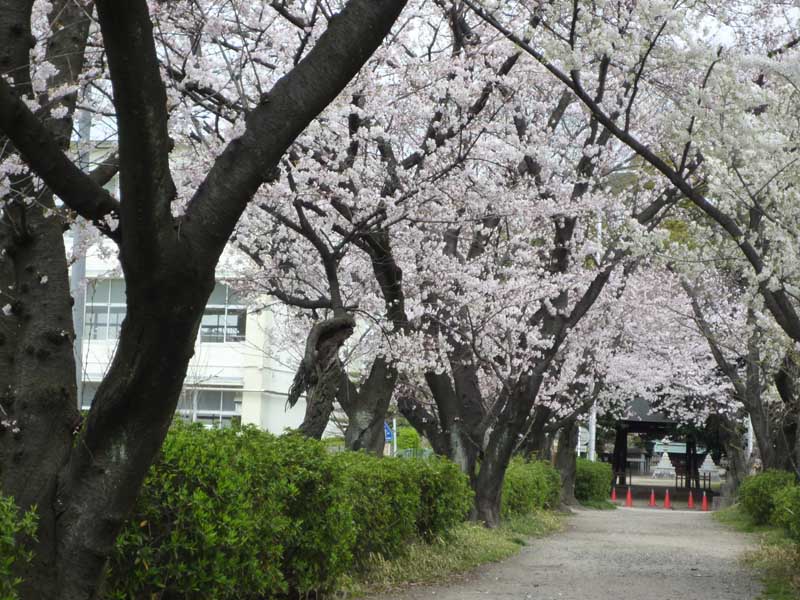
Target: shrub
{"x":318,"y":549}
{"x":445,"y":495}
{"x":243,"y":514}
{"x":234,"y":514}
{"x":786,"y":513}
{"x":756,"y":494}
{"x":408,"y":439}
{"x":529,"y":486}
{"x":13,"y":526}
{"x":385,"y":500}
{"x":592,"y":480}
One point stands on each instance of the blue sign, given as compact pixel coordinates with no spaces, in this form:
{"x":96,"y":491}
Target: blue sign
{"x":387,"y":432}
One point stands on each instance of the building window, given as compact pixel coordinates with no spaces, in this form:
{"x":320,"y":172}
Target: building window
{"x":225,"y":317}
{"x":212,"y":407}
{"x":105,"y":309}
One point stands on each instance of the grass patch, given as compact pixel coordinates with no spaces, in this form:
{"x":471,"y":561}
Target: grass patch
{"x":777,"y":557}
{"x":468,"y":546}
{"x":599,"y":504}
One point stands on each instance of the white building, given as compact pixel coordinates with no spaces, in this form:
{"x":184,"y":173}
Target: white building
{"x":235,"y":373}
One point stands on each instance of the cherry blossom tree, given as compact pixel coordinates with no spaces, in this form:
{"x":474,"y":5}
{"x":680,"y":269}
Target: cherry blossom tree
{"x":710,"y":109}
{"x":170,"y":231}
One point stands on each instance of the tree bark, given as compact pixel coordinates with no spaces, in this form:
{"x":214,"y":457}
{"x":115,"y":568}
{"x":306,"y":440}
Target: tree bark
{"x":537,"y":442}
{"x":502,"y":441}
{"x":125,"y":429}
{"x":320,"y":373}
{"x":566,"y":461}
{"x":731,"y":437}
{"x":619,"y":464}
{"x":366,"y":407}
{"x":37,"y":369}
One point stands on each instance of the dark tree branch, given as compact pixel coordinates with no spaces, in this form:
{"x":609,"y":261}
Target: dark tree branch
{"x":41,"y":151}
{"x":106,"y":170}
{"x":280,"y":8}
{"x":140,"y":100}
{"x":352,"y":36}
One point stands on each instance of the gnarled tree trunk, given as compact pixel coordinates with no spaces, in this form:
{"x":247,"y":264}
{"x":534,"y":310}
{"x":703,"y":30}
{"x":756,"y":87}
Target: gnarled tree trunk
{"x":320,"y":372}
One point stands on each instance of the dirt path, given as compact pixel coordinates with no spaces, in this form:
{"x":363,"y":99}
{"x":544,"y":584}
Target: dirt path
{"x":626,"y":554}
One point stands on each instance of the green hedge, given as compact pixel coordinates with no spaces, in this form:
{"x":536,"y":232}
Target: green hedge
{"x":757,"y":493}
{"x":786,"y":513}
{"x":592,"y":480}
{"x":385,"y":502}
{"x":445,"y":495}
{"x":13,"y":526}
{"x":529,"y":486}
{"x":243,"y":514}
{"x":408,"y":438}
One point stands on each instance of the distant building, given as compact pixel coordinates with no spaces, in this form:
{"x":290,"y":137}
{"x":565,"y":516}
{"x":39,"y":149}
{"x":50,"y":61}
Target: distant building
{"x":235,"y":374}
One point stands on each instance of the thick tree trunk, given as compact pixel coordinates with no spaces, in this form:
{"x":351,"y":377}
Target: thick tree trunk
{"x":537,"y":441}
{"x":129,"y":419}
{"x":459,"y":406}
{"x":787,"y":380}
{"x":37,"y":368}
{"x":762,"y":431}
{"x":500,"y":446}
{"x":566,"y":461}
{"x":366,"y":407}
{"x":37,"y":382}
{"x":731,"y":437}
{"x":488,"y":485}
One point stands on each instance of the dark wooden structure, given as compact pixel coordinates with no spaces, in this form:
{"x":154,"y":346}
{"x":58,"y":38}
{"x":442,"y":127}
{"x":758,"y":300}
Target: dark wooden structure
{"x":639,"y":418}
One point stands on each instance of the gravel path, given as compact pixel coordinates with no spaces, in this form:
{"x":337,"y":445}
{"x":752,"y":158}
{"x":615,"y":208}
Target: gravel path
{"x":625,"y":554}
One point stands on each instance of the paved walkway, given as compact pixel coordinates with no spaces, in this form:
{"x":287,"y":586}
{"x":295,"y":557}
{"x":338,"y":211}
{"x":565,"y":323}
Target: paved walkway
{"x":625,"y":554}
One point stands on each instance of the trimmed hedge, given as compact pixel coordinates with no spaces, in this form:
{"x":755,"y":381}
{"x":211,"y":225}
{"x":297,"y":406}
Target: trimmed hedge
{"x":445,"y":495}
{"x":12,"y":526}
{"x":408,"y":438}
{"x":529,"y":486}
{"x":385,"y":501}
{"x":243,"y":514}
{"x":786,"y":513}
{"x":592,"y":480}
{"x":757,"y":493}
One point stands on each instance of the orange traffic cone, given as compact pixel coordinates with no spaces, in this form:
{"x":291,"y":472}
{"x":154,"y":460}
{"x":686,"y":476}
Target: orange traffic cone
{"x":704,"y":506}
{"x":613,"y":494}
{"x":691,"y":499}
{"x":652,"y":497}
{"x":629,"y":499}
{"x":667,"y":503}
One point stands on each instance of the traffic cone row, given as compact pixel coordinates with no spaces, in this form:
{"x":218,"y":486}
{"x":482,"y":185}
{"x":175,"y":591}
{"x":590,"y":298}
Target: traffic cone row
{"x":667,"y":503}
